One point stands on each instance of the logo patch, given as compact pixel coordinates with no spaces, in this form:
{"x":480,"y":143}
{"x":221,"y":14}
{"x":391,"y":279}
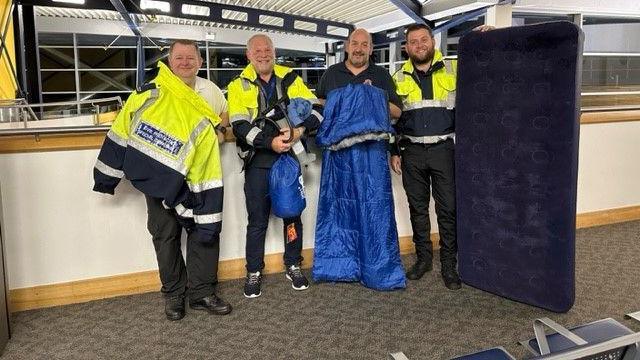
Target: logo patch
{"x":158,"y":138}
{"x":292,"y":234}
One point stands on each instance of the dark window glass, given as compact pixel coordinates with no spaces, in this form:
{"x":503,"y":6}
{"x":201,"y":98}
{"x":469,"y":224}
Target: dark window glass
{"x":61,"y":58}
{"x":95,"y":58}
{"x":107,"y":80}
{"x":58,"y":81}
{"x":55,"y":39}
{"x":48,"y":98}
{"x":222,"y":78}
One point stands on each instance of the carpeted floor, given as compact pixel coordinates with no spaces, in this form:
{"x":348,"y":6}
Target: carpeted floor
{"x":334,"y":321}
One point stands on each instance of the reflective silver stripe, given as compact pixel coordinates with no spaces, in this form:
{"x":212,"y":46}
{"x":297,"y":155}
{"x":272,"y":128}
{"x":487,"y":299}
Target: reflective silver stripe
{"x":138,"y":114}
{"x":279,"y":87}
{"x":239,"y":117}
{"x":429,"y":139}
{"x":449,"y":66}
{"x":108,"y":170}
{"x":208,"y":219}
{"x":164,"y":205}
{"x":318,"y":115}
{"x":400,"y":76}
{"x":116,"y":138}
{"x":451,"y":98}
{"x":252,"y":135}
{"x":246,"y":84}
{"x":204,"y":123}
{"x":183,"y":211}
{"x":207,"y":185}
{"x":161,"y":158}
{"x":412,"y":105}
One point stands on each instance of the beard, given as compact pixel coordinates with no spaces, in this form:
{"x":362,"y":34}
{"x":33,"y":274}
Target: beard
{"x":358,"y":63}
{"x":428,"y":56}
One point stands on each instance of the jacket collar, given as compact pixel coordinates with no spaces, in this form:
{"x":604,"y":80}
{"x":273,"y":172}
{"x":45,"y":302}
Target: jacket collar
{"x":250,"y":73}
{"x":167,"y":80}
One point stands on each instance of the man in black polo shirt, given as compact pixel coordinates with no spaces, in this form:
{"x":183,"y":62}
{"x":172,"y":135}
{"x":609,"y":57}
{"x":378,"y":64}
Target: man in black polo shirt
{"x":356,"y":69}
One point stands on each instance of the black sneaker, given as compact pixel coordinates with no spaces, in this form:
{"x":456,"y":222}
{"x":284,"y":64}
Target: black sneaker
{"x":252,"y":285}
{"x":298,"y":280}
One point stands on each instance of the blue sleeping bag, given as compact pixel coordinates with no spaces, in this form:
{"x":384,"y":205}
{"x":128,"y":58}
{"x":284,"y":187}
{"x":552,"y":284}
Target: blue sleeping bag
{"x":356,"y":234}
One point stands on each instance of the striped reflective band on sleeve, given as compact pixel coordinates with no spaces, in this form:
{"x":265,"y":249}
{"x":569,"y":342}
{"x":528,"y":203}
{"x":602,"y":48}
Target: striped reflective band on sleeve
{"x":116,"y":138}
{"x":186,"y":150}
{"x":208,"y":219}
{"x":252,"y":135}
{"x":183,"y":211}
{"x":449,"y":104}
{"x":108,"y":170}
{"x":204,"y":186}
{"x":239,"y":117}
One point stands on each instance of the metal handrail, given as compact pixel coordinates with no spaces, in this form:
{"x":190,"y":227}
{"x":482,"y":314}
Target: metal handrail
{"x":54,"y":130}
{"x":28,"y":110}
{"x":68,"y":103}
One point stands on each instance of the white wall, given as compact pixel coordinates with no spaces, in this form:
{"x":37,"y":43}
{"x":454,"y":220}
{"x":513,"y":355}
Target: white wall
{"x":58,"y":230}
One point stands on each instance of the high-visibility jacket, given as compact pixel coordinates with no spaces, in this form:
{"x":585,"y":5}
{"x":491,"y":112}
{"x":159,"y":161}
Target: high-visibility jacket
{"x":164,"y":142}
{"x":247,"y":102}
{"x":427,"y":120}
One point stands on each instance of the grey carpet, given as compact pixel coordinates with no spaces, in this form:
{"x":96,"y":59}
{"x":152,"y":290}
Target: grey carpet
{"x":334,"y":321}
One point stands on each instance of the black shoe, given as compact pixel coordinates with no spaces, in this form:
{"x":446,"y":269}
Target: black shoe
{"x":297,"y":278}
{"x":252,"y":285}
{"x":451,"y":279}
{"x":418,"y":270}
{"x":212,"y":304}
{"x":174,"y":307}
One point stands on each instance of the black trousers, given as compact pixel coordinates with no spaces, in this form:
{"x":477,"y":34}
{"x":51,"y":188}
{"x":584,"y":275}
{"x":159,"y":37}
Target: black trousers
{"x":200,"y":275}
{"x":256,"y":192}
{"x":425,"y":167}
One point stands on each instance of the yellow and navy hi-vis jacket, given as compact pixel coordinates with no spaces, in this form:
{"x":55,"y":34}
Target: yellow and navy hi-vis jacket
{"x":246,"y":102}
{"x":164,"y":142}
{"x":422,"y":117}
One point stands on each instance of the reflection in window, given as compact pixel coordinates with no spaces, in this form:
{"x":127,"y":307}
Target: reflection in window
{"x":58,"y":81}
{"x":94,"y":58}
{"x":107,"y":80}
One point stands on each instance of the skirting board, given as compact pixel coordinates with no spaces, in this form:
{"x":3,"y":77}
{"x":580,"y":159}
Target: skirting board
{"x":129,"y":284}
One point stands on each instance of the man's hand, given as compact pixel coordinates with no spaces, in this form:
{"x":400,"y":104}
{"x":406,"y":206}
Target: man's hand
{"x":279,"y":144}
{"x":395,"y":164}
{"x":484,"y":28}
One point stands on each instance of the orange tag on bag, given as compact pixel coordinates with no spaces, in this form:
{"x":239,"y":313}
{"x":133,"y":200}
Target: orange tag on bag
{"x":292,"y":234}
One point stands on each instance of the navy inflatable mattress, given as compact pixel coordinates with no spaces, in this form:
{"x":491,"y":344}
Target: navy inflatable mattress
{"x":517,"y":126}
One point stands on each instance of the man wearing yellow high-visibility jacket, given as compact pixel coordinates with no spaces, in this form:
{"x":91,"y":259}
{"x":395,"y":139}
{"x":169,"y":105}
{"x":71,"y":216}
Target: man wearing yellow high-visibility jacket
{"x":164,"y":142}
{"x":424,"y":149}
{"x":260,"y":85}
{"x":425,"y":152}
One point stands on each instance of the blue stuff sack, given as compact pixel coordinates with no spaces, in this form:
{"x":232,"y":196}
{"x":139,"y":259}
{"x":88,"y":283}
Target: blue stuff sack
{"x":286,"y":187}
{"x":298,"y":110}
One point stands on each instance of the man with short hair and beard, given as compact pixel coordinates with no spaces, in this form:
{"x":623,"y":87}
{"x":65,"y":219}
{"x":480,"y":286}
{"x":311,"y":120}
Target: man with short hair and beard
{"x":357,"y":69}
{"x":424,"y":150}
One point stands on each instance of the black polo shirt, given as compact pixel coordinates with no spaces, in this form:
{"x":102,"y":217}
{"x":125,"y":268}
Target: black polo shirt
{"x":338,"y":76}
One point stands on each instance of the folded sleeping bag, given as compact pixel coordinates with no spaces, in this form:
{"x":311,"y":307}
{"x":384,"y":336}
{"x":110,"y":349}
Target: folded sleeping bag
{"x":356,"y":234}
{"x":517,"y":126}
